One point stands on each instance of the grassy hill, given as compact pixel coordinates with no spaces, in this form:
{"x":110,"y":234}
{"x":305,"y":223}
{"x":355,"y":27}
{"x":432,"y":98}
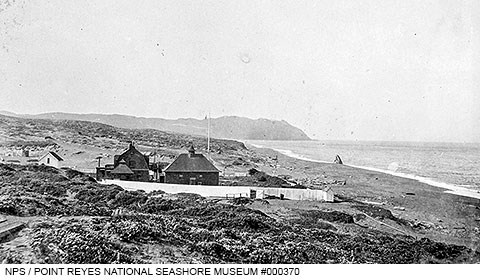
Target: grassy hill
{"x":228,"y":127}
{"x":80,"y":142}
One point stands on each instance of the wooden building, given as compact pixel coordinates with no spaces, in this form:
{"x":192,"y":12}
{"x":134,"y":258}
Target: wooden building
{"x":191,"y":169}
{"x":122,"y":171}
{"x":51,"y":159}
{"x":131,"y":165}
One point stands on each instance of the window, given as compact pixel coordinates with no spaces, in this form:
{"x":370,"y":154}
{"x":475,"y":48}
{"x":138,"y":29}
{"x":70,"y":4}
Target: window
{"x":48,"y":160}
{"x":200,"y":176}
{"x":193,"y":181}
{"x":180,"y":176}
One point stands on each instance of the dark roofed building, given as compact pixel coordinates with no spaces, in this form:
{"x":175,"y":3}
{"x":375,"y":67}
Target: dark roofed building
{"x":191,"y":169}
{"x":131,"y":165}
{"x":122,"y":171}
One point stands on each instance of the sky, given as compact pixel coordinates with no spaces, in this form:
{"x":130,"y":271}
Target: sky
{"x":345,"y":70}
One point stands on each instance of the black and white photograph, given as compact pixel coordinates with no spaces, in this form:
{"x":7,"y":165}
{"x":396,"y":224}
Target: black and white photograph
{"x":252,"y":132}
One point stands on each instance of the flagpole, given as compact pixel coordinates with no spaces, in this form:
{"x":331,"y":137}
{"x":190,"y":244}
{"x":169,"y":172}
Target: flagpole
{"x":208,"y":134}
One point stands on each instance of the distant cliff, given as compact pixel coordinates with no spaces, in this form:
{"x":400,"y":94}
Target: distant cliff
{"x":229,"y":127}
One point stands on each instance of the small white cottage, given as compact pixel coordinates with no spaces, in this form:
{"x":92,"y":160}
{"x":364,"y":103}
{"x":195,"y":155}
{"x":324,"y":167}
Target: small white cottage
{"x":51,"y":159}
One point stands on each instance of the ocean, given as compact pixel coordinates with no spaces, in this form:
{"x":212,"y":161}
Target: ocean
{"x":453,"y":166}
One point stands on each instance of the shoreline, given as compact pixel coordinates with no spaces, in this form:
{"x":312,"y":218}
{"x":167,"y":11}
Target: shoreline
{"x":450,"y":188}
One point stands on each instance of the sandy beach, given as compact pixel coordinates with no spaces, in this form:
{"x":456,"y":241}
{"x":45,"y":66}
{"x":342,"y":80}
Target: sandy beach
{"x":451,"y":213}
{"x":449,"y":188}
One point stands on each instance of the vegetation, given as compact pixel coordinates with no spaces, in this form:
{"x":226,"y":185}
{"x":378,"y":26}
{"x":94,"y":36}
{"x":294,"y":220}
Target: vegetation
{"x":119,"y":226}
{"x":44,"y":132}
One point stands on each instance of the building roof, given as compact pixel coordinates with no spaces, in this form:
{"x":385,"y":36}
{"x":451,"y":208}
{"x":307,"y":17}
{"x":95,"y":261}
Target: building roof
{"x":191,"y":163}
{"x":55,"y":155}
{"x":140,"y":161}
{"x":122,"y":168}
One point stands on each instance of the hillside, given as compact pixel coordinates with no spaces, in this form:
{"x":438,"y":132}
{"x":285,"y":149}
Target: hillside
{"x":72,"y":219}
{"x":80,"y":142}
{"x":57,"y":205}
{"x":230,"y":127}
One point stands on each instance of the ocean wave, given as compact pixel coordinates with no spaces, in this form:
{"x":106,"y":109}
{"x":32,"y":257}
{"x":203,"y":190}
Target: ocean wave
{"x":254,"y":145}
{"x":451,"y":188}
{"x":291,"y":154}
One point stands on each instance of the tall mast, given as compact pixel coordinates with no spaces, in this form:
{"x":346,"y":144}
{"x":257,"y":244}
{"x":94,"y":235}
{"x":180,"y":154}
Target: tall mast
{"x":208,"y":134}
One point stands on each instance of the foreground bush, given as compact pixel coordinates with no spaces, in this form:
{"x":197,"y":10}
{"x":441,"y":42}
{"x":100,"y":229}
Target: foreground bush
{"x":119,"y":226}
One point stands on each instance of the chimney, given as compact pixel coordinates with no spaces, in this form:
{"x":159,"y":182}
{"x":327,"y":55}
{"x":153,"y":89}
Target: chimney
{"x":191,"y":151}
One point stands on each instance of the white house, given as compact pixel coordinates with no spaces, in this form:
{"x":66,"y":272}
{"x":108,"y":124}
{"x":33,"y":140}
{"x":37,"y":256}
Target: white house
{"x":51,"y":159}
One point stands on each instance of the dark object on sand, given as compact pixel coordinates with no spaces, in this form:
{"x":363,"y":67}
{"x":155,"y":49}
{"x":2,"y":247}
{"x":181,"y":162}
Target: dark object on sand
{"x":265,"y":202}
{"x":312,"y":216}
{"x":409,"y":193}
{"x":338,"y":160}
{"x":252,"y":171}
{"x":242,"y":201}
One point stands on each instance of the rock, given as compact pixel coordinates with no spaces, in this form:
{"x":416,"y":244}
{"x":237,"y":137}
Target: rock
{"x":399,"y":208}
{"x":338,"y":160}
{"x":359,"y":217}
{"x":423,"y":225}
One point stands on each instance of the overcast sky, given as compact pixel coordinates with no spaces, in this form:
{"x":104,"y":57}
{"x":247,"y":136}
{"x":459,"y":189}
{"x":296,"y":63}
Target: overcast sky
{"x":350,"y":70}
